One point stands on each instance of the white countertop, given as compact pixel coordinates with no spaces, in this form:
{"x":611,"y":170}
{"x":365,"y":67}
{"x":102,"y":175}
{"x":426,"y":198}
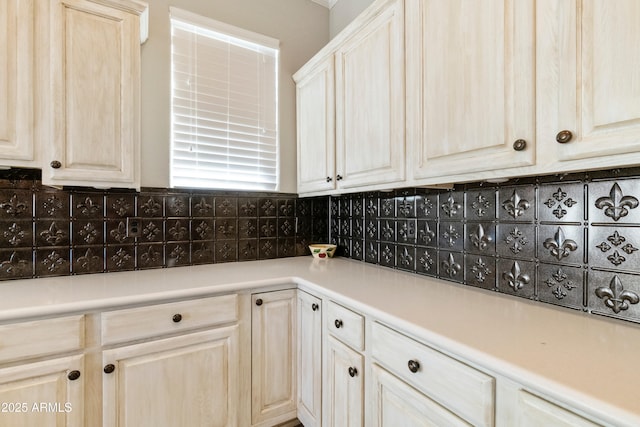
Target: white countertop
{"x":591,"y":361}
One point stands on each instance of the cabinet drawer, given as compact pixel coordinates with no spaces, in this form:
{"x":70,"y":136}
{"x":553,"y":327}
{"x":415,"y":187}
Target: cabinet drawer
{"x":346,"y":325}
{"x":26,"y":340}
{"x":464,"y":390}
{"x":145,"y":322}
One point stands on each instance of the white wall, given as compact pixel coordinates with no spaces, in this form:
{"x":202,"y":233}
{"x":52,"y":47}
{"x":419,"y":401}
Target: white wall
{"x":302,"y":28}
{"x":343,"y":12}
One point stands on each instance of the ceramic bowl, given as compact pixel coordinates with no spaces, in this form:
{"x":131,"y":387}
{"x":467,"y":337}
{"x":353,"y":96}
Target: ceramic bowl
{"x":322,"y":251}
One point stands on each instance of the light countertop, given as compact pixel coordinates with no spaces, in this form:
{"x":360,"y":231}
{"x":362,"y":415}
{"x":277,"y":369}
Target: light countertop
{"x":587,"y":360}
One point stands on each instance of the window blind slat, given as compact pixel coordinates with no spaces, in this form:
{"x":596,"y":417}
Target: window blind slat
{"x":224,"y":110}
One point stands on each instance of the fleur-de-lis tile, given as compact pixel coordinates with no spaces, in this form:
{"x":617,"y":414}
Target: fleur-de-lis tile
{"x":450,"y":267}
{"x":616,"y":205}
{"x":150,"y":205}
{"x":559,"y":246}
{"x":480,"y":205}
{"x":450,"y":205}
{"x":516,"y":278}
{"x":615,"y":248}
{"x":14,"y":264}
{"x":16,"y":205}
{"x":518,"y":205}
{"x":560,"y":285}
{"x":615,"y":296}
{"x":426,"y":259}
{"x":480,"y":238}
{"x":481,"y":271}
{"x":561,"y":202}
{"x":201,"y":206}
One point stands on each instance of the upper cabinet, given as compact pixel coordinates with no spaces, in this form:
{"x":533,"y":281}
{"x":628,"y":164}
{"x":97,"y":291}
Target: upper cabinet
{"x":470,"y":85}
{"x":589,"y":83}
{"x":90,"y":75}
{"x":16,"y":83}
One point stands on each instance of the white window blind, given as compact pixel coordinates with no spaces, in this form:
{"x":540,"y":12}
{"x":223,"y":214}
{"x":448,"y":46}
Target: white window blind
{"x":224,"y":105}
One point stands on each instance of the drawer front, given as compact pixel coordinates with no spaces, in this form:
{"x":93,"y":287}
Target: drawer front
{"x":463,"y":389}
{"x":346,"y":325}
{"x":26,"y":340}
{"x":154,"y":320}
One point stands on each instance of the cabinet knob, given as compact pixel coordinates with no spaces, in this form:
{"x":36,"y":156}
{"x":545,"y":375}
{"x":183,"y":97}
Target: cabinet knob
{"x":259,"y":302}
{"x":177,"y":317}
{"x":315,"y":307}
{"x":338,"y":323}
{"x":109,"y":368}
{"x":414,"y":366}
{"x":352,"y":371}
{"x":73,"y":375}
{"x":519,"y":144}
{"x":329,"y":179}
{"x":55,"y":164}
{"x":338,"y":177}
{"x":564,"y":136}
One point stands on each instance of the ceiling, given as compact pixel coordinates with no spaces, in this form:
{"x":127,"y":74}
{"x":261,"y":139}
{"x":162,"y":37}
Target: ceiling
{"x":326,"y":3}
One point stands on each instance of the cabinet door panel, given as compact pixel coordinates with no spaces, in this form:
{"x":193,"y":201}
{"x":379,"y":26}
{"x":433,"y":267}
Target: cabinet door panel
{"x":591,"y":63}
{"x":41,"y":395}
{"x":534,"y":411}
{"x":309,"y":360}
{"x":16,"y":81}
{"x":370,"y":102}
{"x":472,"y":64}
{"x":344,"y":400}
{"x":185,"y":380}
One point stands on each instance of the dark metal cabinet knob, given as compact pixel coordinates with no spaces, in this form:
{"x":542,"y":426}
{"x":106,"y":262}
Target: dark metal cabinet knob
{"x":519,"y":145}
{"x":56,"y":164}
{"x":338,"y":323}
{"x":259,"y":302}
{"x":177,"y":317}
{"x":314,"y":307}
{"x":338,"y":177}
{"x":109,"y":368}
{"x":564,"y":136}
{"x":352,"y":371}
{"x":329,"y":179}
{"x":413,"y":365}
{"x":73,"y":375}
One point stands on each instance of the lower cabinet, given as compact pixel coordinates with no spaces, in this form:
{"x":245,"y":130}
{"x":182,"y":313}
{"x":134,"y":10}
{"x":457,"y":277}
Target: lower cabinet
{"x":192,"y":379}
{"x":309,"y":402}
{"x":344,"y":382}
{"x":273,"y":357}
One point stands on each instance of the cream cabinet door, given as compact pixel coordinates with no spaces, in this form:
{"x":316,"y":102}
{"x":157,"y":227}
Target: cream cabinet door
{"x":370,"y":120}
{"x":16,"y":82}
{"x":273,"y":356}
{"x":316,"y":127}
{"x":590,"y":68}
{"x":91,"y":69}
{"x":343,"y":403}
{"x":394,"y":403}
{"x":43,"y":394}
{"x":309,"y":360}
{"x":470,"y":85}
{"x":187,"y":380}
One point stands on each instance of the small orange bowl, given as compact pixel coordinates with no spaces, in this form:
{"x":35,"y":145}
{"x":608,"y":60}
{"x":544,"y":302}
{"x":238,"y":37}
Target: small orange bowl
{"x":322,"y":251}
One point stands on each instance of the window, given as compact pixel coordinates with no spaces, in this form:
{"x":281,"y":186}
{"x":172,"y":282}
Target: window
{"x":224,"y":105}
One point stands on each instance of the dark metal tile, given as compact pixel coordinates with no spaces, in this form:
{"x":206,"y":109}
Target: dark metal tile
{"x":286,"y":227}
{"x":117,"y":232}
{"x":248,"y":207}
{"x":387,"y":254}
{"x":226,"y":229}
{"x":371,"y":251}
{"x":561,"y":202}
{"x":52,"y":262}
{"x":152,"y":230}
{"x":562,"y":244}
{"x":247,"y":249}
{"x":286,"y":247}
{"x":615,"y":201}
{"x":87,"y":205}
{"x":516,"y":241}
{"x":268,"y":228}
{"x":371,"y":206}
{"x":202,"y":229}
{"x":427,"y":261}
{"x":451,"y":205}
{"x":427,"y":206}
{"x":357,"y":206}
{"x":267,"y":248}
{"x":406,"y":257}
{"x":267,"y":207}
{"x":480,"y":271}
{"x":202,"y":252}
{"x":52,"y":204}
{"x":248,"y":228}
{"x":16,"y":264}
{"x":451,"y":237}
{"x":88,"y":232}
{"x":121,"y":258}
{"x":16,"y":204}
{"x":120,"y":205}
{"x":320,"y":207}
{"x":480,"y":204}
{"x":614,"y":295}
{"x":202,"y":206}
{"x":177,"y":230}
{"x":52,"y":233}
{"x":150,"y":255}
{"x":302,"y":245}
{"x":387,"y":206}
{"x":406,"y":231}
{"x":344,"y":204}
{"x":406,"y":207}
{"x":177,"y":205}
{"x":177,"y":254}
{"x":516,"y":277}
{"x":335,"y":226}
{"x":615,"y":248}
{"x":451,"y":266}
{"x":88,"y":260}
{"x":357,"y":249}
{"x":150,"y":205}
{"x":16,"y":234}
{"x":516,"y":203}
{"x":334,"y":207}
{"x":303,"y":207}
{"x":388,"y":230}
{"x":561,"y":285}
{"x":344,"y":247}
{"x":226,"y":207}
{"x":427,"y":233}
{"x":371,"y":229}
{"x":357,"y":228}
{"x":480,"y":238}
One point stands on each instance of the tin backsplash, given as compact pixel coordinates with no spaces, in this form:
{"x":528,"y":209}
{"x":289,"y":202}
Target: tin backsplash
{"x":571,"y":240}
{"x":50,"y":232}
